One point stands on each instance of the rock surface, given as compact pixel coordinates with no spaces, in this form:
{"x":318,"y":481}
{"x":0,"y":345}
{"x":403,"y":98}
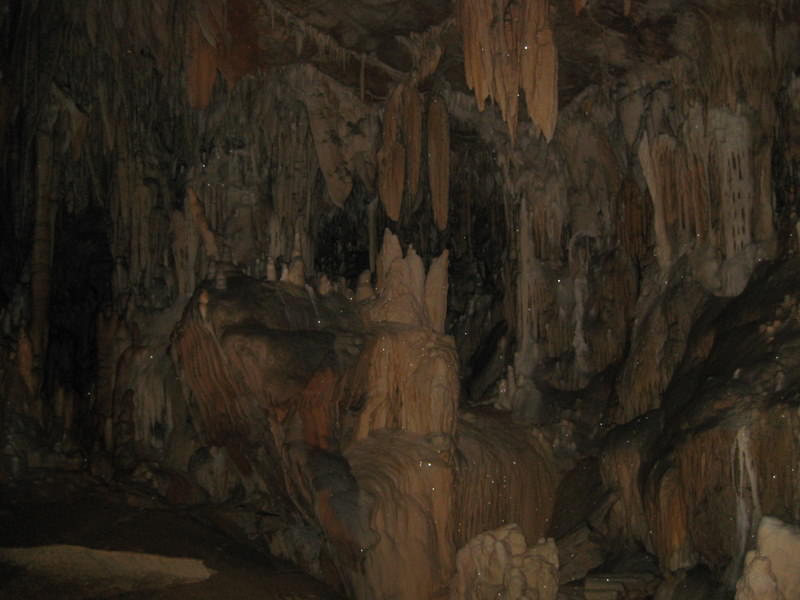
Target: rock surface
{"x":770,"y":570}
{"x":499,"y":563}
{"x":276,"y":256}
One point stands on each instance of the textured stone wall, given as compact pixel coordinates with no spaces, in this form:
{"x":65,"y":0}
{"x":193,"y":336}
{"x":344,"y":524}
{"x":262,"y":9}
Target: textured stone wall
{"x":376,"y":276}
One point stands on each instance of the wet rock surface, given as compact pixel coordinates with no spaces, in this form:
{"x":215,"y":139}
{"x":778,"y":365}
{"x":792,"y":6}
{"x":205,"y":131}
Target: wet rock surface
{"x":361,"y":282}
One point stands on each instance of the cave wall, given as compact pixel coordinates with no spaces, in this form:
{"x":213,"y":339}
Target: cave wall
{"x":230,"y":236}
{"x":643,"y":205}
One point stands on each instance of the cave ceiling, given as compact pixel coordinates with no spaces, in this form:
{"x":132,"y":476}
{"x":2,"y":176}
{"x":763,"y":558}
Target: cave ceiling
{"x":377,"y":43}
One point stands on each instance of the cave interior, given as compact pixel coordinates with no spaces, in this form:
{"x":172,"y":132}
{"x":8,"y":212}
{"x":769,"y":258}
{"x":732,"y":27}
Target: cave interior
{"x":421,"y":300}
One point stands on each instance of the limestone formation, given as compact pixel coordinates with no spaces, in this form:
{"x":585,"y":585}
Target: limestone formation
{"x":383,"y":278}
{"x":499,"y":563}
{"x":770,"y":570}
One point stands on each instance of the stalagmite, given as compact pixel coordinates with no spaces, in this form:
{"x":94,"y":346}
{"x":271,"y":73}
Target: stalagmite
{"x":202,"y":305}
{"x":324,"y":286}
{"x":364,"y":289}
{"x":297,"y":269}
{"x":389,"y":253}
{"x":405,"y":293}
{"x":770,"y":571}
{"x":271,"y":273}
{"x":409,"y":382}
{"x":499,"y":564}
{"x":436,"y":292}
{"x":411,"y":482}
{"x":439,"y":160}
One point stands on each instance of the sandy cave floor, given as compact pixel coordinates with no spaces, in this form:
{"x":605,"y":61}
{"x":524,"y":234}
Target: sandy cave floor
{"x":52,"y":512}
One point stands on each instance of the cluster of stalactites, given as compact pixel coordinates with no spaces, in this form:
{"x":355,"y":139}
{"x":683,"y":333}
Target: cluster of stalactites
{"x":509,"y":46}
{"x":400,"y":155}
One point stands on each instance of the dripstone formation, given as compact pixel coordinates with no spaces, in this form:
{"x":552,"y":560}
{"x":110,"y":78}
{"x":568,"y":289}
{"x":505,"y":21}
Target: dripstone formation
{"x":455,"y":299}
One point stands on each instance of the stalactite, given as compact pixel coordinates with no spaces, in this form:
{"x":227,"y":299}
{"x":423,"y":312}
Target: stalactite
{"x":707,"y":200}
{"x":508,"y":46}
{"x":391,"y":173}
{"x":325,"y":46}
{"x":392,"y":157}
{"x":324,"y":111}
{"x":542,"y":94}
{"x":399,"y":159}
{"x":656,"y":161}
{"x":201,"y":72}
{"x":439,"y":160}
{"x":412,"y":133}
{"x":293,"y":167}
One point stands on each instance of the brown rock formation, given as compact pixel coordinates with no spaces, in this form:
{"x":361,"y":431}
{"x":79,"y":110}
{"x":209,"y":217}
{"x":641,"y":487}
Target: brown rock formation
{"x":380,"y":278}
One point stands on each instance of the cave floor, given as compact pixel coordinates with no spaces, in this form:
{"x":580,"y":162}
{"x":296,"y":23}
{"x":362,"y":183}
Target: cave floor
{"x":52,"y":512}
